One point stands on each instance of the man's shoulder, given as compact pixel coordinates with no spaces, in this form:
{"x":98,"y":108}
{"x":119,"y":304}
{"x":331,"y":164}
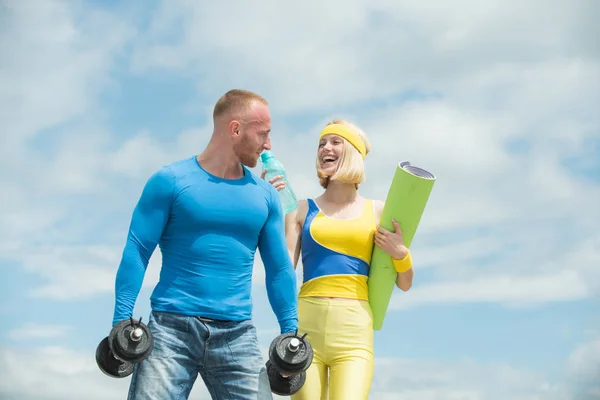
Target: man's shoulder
{"x":260,"y":182}
{"x":181,"y":166}
{"x":176,"y":169}
{"x":169,"y":174}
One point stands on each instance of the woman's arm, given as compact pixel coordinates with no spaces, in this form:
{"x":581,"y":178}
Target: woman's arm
{"x":293,"y":231}
{"x":403,"y":279}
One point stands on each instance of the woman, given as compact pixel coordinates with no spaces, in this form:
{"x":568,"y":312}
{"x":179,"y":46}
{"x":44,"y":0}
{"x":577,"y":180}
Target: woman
{"x":335,"y":234}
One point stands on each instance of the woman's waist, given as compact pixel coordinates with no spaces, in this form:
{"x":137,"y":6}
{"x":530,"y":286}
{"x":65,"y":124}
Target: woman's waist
{"x":320,"y":264}
{"x":342,"y":286}
{"x":344,"y":300}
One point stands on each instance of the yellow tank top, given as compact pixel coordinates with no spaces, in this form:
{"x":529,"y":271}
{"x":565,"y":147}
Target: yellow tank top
{"x":336,"y":254}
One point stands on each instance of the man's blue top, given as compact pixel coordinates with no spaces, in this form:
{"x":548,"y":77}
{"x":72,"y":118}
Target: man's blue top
{"x":208,"y":230}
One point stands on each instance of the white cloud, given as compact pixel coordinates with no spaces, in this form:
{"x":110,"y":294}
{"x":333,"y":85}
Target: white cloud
{"x":583,"y":369}
{"x":56,"y":61}
{"x":54,"y":373}
{"x":37,"y":331}
{"x":463,"y":380}
{"x":356,"y":50}
{"x":77,"y":272}
{"x":455,"y":253}
{"x":56,"y":70}
{"x":565,"y":275}
{"x":506,"y":290}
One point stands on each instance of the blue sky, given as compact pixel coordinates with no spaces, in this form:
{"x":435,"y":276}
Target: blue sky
{"x":498,"y":101}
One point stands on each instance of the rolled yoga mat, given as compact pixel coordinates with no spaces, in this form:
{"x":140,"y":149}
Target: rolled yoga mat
{"x":405,"y":202}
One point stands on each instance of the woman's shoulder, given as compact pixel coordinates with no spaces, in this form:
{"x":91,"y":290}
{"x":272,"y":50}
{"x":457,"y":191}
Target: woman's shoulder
{"x":378,"y":206}
{"x":302,"y":206}
{"x":378,"y":203}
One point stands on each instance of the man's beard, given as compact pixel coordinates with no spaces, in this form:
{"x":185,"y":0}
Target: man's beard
{"x":247,"y":153}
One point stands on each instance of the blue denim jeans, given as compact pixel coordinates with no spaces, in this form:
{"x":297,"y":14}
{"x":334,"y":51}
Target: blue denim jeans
{"x":225,"y":354}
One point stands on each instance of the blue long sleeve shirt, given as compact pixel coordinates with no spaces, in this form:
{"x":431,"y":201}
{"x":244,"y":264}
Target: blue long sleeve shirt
{"x":208,"y":230}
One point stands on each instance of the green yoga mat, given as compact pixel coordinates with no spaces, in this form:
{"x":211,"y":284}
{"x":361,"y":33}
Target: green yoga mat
{"x":405,"y":202}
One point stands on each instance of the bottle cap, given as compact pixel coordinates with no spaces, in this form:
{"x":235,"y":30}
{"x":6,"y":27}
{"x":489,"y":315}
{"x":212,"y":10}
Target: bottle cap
{"x":265,"y":155}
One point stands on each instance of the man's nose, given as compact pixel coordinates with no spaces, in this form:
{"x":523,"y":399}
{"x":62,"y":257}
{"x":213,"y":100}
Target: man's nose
{"x":267,"y":144}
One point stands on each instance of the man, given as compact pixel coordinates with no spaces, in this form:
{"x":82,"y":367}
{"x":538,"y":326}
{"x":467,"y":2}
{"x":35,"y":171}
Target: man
{"x":209,"y":214}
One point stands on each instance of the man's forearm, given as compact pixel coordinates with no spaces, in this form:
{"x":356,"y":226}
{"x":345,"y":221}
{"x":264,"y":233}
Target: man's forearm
{"x":129,"y":280}
{"x":281,"y":291}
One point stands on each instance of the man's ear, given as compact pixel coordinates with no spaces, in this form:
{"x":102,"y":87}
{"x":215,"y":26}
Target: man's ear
{"x":234,"y":128}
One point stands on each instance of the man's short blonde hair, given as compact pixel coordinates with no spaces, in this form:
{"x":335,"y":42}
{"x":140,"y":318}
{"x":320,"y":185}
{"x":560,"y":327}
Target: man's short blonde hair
{"x":236,"y":101}
{"x":351,"y":167}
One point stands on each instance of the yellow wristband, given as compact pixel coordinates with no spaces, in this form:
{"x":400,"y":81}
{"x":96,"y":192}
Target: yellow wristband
{"x":404,"y":264}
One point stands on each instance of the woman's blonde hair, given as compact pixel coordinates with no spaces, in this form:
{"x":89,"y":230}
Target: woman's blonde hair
{"x":351,"y":167}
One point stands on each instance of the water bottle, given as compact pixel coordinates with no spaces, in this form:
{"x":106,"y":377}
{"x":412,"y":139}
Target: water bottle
{"x":274,"y":167}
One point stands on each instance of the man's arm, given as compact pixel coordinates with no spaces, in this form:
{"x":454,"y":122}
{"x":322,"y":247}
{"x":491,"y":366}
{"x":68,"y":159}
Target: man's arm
{"x":280,"y":276}
{"x":147,"y":223}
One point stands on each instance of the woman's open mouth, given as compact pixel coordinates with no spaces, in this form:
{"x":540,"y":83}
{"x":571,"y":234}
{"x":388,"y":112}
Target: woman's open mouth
{"x":328,"y":160}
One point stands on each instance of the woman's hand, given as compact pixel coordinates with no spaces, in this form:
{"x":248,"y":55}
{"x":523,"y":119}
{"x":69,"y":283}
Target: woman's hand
{"x":273,"y":180}
{"x":391,"y":242}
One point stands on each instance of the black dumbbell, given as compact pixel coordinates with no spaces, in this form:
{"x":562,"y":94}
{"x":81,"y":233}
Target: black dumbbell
{"x":289,"y":357}
{"x":128,"y":343}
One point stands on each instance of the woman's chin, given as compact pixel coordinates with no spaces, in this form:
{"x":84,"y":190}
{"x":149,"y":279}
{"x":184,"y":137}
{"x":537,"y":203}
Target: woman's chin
{"x":328,"y":170}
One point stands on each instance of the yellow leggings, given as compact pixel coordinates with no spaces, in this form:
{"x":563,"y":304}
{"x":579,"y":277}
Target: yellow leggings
{"x":341,"y":334}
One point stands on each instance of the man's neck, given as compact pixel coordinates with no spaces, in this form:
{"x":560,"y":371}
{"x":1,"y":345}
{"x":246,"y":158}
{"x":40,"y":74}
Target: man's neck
{"x":219,"y":159}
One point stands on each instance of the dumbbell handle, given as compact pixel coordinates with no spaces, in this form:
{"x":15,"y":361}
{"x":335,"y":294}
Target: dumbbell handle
{"x":294,"y":345}
{"x":136,"y":334}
